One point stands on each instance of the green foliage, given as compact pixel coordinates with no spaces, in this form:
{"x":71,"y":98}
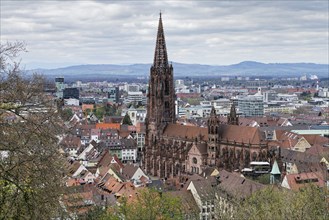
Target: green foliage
{"x":99,"y":112}
{"x":148,"y":205}
{"x":263,"y":179}
{"x":274,"y":203}
{"x":102,"y":110}
{"x":110,"y":110}
{"x":87,"y":111}
{"x":31,"y":169}
{"x":66,"y":114}
{"x":306,"y":95}
{"x":126,"y":120}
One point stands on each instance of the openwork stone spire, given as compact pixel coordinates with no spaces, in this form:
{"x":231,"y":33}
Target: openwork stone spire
{"x":160,"y":55}
{"x":161,"y":93}
{"x":233,"y":117}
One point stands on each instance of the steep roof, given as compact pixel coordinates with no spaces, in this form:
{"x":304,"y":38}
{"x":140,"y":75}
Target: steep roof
{"x":237,"y":186}
{"x":187,"y":132}
{"x":241,"y":134}
{"x":205,"y":188}
{"x":202,"y":147}
{"x":275,"y":168}
{"x":106,"y":159}
{"x":297,"y":181}
{"x":314,"y":139}
{"x":74,"y":167}
{"x":129,"y":170}
{"x":297,"y":157}
{"x":189,"y":205}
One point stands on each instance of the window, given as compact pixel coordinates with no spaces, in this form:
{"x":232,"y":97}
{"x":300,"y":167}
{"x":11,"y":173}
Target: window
{"x":194,"y":160}
{"x":166,"y":88}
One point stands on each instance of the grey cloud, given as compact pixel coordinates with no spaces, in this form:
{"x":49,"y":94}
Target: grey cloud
{"x":124,"y":31}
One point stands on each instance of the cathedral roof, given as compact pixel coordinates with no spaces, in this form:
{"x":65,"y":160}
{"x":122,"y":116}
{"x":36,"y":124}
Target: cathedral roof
{"x":240,"y":134}
{"x":226,"y":132}
{"x":160,"y":55}
{"x":187,"y":132}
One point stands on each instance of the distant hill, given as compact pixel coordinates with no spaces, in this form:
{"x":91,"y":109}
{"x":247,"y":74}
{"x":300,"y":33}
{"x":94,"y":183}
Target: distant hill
{"x":246,"y":68}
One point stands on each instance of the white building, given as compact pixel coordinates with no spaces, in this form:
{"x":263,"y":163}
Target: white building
{"x":324,"y":92}
{"x":287,"y":97}
{"x":131,"y":88}
{"x":71,"y":102}
{"x":136,"y":115}
{"x":135,"y":97}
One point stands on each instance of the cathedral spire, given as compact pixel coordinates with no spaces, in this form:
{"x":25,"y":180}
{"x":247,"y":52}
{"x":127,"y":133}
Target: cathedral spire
{"x":213,"y":113}
{"x":233,"y":118}
{"x":160,"y":55}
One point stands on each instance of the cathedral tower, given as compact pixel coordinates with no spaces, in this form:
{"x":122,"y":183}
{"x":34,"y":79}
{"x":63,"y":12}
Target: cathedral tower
{"x":161,"y":102}
{"x":161,"y":92}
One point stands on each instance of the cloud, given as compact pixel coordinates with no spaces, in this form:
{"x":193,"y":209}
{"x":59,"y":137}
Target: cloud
{"x":207,"y":32}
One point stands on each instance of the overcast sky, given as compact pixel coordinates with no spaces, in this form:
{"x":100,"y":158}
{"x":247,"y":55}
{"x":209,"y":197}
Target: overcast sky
{"x":61,"y":33}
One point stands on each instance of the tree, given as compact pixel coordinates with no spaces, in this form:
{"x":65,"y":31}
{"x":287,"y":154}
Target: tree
{"x":66,"y":114}
{"x":149,"y":204}
{"x":126,"y":120}
{"x":30,"y":164}
{"x":99,"y":112}
{"x":277,"y":203}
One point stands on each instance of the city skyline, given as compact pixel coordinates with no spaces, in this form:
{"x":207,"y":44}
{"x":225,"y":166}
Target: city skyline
{"x":59,"y":33}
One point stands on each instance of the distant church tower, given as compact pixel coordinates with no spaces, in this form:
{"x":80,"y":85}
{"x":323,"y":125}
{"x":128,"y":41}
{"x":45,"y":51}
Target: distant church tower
{"x":233,"y":119}
{"x":161,"y":101}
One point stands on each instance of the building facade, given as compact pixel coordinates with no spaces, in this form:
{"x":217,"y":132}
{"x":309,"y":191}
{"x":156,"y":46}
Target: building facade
{"x":173,"y":149}
{"x":251,"y":106}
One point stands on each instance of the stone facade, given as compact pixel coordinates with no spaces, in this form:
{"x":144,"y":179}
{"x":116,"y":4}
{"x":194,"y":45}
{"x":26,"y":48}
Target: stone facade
{"x":172,"y":149}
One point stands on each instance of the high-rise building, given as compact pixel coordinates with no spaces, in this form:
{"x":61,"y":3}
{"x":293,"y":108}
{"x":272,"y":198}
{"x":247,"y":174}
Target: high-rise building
{"x":71,"y":93}
{"x":59,"y":83}
{"x":113,"y":94}
{"x":251,"y":106}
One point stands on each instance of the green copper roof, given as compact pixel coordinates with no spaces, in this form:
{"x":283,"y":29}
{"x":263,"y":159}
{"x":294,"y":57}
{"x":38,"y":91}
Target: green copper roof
{"x":275,"y":168}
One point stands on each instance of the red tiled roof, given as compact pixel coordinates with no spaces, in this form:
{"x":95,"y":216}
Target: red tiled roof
{"x":316,"y":139}
{"x":241,"y":134}
{"x":187,"y":132}
{"x":297,"y":181}
{"x":108,"y":126}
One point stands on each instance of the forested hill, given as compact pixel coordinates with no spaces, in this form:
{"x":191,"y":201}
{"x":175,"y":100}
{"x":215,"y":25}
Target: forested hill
{"x":247,"y":68}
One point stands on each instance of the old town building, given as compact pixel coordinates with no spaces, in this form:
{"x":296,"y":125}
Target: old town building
{"x":172,"y":149}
